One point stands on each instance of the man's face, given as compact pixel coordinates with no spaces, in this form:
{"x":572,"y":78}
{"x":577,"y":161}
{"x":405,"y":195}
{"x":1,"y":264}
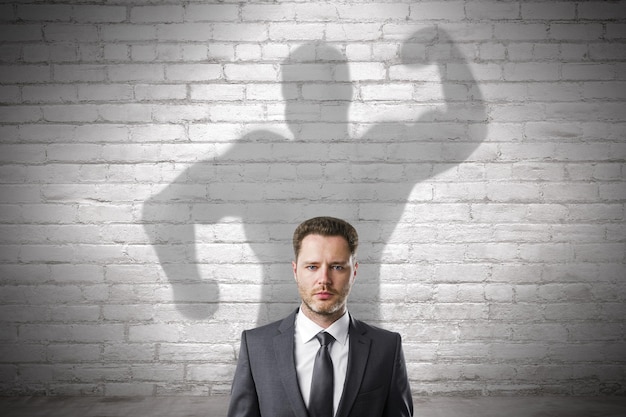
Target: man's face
{"x":325,"y":271}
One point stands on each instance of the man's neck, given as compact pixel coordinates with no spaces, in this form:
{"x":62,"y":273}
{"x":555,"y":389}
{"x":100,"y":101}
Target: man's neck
{"x":322,"y":320}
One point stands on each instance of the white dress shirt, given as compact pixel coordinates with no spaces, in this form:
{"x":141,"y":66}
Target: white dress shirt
{"x":306,"y":347}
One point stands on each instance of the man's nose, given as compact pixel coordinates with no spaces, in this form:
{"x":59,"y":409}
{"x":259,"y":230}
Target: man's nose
{"x":324,"y":277}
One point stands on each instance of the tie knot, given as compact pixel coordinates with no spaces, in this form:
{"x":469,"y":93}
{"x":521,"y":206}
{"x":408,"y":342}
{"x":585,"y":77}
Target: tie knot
{"x":325,"y":338}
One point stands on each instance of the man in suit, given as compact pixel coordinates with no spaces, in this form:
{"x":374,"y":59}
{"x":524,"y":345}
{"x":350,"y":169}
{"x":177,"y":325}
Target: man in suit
{"x":354,"y":370}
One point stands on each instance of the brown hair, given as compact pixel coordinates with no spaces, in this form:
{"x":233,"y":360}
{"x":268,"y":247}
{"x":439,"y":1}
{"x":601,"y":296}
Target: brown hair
{"x":325,"y":226}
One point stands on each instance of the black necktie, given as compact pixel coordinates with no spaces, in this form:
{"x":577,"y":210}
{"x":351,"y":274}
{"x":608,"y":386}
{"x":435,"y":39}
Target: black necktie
{"x":321,"y":398}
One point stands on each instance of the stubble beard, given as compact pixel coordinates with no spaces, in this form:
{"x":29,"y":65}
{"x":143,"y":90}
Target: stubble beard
{"x":334,"y":310}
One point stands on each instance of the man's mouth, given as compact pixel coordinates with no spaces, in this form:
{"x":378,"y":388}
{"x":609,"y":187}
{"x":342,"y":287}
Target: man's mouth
{"x":324,"y":295}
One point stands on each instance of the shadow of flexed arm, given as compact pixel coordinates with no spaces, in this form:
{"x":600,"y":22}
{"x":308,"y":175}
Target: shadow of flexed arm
{"x":447,"y":134}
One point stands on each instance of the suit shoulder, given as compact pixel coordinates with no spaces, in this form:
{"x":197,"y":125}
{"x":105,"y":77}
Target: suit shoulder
{"x":264,"y":328}
{"x":374,"y":331}
{"x":265,"y":331}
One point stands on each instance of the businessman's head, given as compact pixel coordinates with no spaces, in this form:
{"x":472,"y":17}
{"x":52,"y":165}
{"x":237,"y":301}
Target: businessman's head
{"x":324,"y":267}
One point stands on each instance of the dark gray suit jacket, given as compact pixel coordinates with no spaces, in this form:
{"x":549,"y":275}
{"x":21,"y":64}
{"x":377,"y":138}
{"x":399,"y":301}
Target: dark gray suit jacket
{"x":266,"y":384}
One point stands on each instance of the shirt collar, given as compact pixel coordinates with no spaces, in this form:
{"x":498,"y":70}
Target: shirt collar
{"x":308,"y":328}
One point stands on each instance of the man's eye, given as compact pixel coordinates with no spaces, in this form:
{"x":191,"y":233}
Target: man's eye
{"x":311,"y":267}
{"x":337,"y":267}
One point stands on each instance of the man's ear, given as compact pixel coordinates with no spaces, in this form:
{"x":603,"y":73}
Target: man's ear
{"x":294,"y":267}
{"x":356,"y":266}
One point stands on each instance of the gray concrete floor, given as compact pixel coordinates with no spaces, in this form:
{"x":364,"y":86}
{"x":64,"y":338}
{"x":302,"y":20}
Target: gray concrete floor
{"x":217,"y":406}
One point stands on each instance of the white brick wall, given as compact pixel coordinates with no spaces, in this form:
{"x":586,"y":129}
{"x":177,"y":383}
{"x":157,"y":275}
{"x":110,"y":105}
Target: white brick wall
{"x":154,"y":166}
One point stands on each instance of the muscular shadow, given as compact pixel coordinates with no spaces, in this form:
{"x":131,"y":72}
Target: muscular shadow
{"x":326,"y":169}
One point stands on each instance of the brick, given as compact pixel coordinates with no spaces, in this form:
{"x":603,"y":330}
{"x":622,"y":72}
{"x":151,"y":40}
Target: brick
{"x":156,"y":14}
{"x":116,"y":52}
{"x":521,"y":32}
{"x":270,"y":91}
{"x":248,"y":52}
{"x":7,"y":12}
{"x":234,"y":113}
{"x":13,"y":174}
{"x":197,"y":351}
{"x":531,"y":72}
{"x":21,"y":33}
{"x":11,"y":53}
{"x":128,"y":313}
{"x":560,"y":91}
{"x":576,"y":31}
{"x":268,"y":12}
{"x":149,"y":53}
{"x":244,"y":32}
{"x":492,"y":10}
{"x":557,"y":253}
{"x":490,"y":372}
{"x":193,"y":53}
{"x":599,"y":252}
{"x":578,"y":233}
{"x":89,"y":52}
{"x":125,"y":389}
{"x":317,"y":12}
{"x":150,"y":92}
{"x":212,"y":372}
{"x":105,"y":92}
{"x":587,"y":72}
{"x":340,"y":32}
{"x":73,"y":332}
{"x":193,"y":72}
{"x":570,"y":192}
{"x":513,"y":192}
{"x":465,"y":32}
{"x":164,"y":114}
{"x":25,"y":73}
{"x":558,"y":10}
{"x":607,"y":52}
{"x":429,"y":10}
{"x":67,"y":32}
{"x":131,"y":32}
{"x":154,"y":333}
{"x":49,"y":94}
{"x":79,"y":73}
{"x":161,"y":373}
{"x":125,"y":113}
{"x":49,"y":213}
{"x":123,"y":352}
{"x":250,"y":72}
{"x":450,"y":293}
{"x":212,"y":12}
{"x":608,"y":11}
{"x":603,"y":90}
{"x":615,"y":30}
{"x":70,"y":113}
{"x":77,"y":273}
{"x":60,"y":353}
{"x":367,"y":72}
{"x":295,"y":32}
{"x":75,"y":314}
{"x":136,"y":72}
{"x":370,"y":11}
{"x":98,"y":14}
{"x":39,"y":12}
{"x":24,"y":353}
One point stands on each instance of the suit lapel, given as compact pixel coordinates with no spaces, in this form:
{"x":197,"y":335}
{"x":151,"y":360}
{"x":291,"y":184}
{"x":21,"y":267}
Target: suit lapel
{"x":284,"y":351}
{"x":357,"y":362}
